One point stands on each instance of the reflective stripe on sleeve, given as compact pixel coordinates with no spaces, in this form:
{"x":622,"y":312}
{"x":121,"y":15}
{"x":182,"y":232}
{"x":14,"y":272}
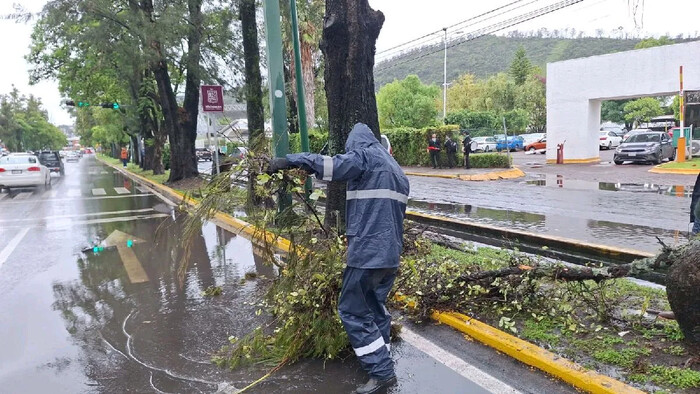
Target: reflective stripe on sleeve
{"x":376,"y":193}
{"x":327,"y":168}
{"x":371,"y":348}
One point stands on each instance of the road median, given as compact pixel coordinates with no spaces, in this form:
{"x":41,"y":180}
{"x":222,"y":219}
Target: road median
{"x":523,"y":351}
{"x":510,"y":173}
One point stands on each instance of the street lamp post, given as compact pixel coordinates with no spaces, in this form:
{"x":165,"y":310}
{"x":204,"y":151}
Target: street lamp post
{"x":444,"y":81}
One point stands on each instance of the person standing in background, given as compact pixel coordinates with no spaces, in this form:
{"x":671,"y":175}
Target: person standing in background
{"x":467,"y":146}
{"x":434,"y":149}
{"x":451,"y":149}
{"x":124,"y":156}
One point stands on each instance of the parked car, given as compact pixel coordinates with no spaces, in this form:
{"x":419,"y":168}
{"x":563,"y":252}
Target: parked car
{"x":514,"y":143}
{"x":634,"y":132}
{"x":23,"y":171}
{"x":538,"y":145}
{"x":485,"y":144}
{"x":203,"y":154}
{"x":89,"y":151}
{"x":72,"y":156}
{"x":52,"y":160}
{"x":615,"y":129}
{"x":645,"y":147}
{"x":531,"y":138}
{"x":609,"y":139}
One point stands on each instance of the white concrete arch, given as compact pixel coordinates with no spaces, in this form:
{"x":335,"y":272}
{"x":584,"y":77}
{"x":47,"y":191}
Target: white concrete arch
{"x":576,"y":88}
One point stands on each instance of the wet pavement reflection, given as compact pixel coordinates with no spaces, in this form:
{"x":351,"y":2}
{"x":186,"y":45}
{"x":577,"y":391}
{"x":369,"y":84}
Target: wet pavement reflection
{"x":129,"y":318}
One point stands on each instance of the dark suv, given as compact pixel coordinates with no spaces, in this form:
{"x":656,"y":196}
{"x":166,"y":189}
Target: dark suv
{"x":52,"y":160}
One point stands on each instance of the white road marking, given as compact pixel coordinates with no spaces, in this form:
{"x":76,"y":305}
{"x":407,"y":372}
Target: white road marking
{"x":3,"y":195}
{"x":73,"y":193}
{"x":99,"y":192}
{"x":87,"y":198}
{"x":456,"y":364}
{"x":22,"y":196}
{"x":50,"y":193}
{"x":104,"y":172}
{"x":7,"y":251}
{"x":121,"y":190}
{"x":80,"y":215}
{"x":142,"y":189}
{"x":70,"y":223}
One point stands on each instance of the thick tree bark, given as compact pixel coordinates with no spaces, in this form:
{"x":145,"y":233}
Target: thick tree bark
{"x":183,"y":160}
{"x":253,"y":88}
{"x":350,"y":32}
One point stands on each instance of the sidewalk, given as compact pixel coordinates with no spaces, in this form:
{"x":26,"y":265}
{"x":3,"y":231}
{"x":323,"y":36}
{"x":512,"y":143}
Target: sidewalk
{"x":473,"y":174}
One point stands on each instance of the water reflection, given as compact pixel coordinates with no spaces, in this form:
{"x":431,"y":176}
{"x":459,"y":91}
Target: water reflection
{"x":667,"y":190}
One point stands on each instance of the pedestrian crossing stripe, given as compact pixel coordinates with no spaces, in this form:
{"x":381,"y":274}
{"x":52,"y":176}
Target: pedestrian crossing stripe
{"x":73,"y":193}
{"x":121,"y":190}
{"x":3,"y":196}
{"x":99,"y":192}
{"x":22,"y":196}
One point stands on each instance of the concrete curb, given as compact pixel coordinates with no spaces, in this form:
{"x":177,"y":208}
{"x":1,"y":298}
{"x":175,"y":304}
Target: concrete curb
{"x":676,"y":171}
{"x":521,"y":350}
{"x":511,"y":173}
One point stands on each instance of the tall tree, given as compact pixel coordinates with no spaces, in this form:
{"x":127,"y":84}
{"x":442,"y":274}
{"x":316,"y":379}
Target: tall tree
{"x":642,"y":110}
{"x":253,"y":85}
{"x":521,"y":67}
{"x":350,"y":32}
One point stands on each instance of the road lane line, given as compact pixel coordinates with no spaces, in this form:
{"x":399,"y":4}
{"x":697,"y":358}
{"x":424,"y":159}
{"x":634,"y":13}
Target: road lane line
{"x":99,"y":192}
{"x":2,"y":196}
{"x":80,"y":215}
{"x":121,"y":190}
{"x":71,"y":223}
{"x":456,"y":364}
{"x":88,"y":198}
{"x":7,"y":251}
{"x":133,"y":266}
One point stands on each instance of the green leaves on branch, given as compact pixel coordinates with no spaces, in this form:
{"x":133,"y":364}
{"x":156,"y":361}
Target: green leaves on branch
{"x":407,"y":103}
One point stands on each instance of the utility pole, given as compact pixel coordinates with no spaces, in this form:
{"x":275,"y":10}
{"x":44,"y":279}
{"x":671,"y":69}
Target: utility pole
{"x":278,"y":106}
{"x":444,"y":80}
{"x":301,"y":101}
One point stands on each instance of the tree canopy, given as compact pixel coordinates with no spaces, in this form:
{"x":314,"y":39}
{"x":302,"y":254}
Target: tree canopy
{"x":407,"y":103}
{"x":521,"y":67}
{"x":24,"y":124}
{"x":642,"y":110}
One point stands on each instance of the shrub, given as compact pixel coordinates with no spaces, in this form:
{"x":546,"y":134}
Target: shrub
{"x":317,"y":138}
{"x":166,"y":156}
{"x":489,"y":160}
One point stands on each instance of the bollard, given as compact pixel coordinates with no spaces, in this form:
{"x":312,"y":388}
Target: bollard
{"x":560,"y":153}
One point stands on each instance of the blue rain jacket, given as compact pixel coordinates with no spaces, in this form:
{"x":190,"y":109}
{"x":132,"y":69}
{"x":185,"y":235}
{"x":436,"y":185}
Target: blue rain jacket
{"x":377,"y":193}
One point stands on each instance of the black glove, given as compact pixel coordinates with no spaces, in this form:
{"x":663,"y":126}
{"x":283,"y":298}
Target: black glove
{"x":278,"y":164}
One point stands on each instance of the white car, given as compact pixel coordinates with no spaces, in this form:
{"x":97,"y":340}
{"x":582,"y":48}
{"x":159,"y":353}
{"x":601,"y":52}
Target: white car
{"x":72,"y":156}
{"x":484,"y":144}
{"x":23,"y":171}
{"x":609,"y":140}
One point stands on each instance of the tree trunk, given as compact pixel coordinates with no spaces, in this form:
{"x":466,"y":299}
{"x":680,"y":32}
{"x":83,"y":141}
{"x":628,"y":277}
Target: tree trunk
{"x":683,"y":292}
{"x":183,"y":160}
{"x":253,"y":89}
{"x":350,"y":31}
{"x":307,"y":72}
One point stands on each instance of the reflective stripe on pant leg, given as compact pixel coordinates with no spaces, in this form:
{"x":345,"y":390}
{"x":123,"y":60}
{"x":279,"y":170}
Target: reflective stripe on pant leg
{"x":358,"y":320}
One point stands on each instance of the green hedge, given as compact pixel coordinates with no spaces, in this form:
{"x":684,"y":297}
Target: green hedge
{"x":410,"y":146}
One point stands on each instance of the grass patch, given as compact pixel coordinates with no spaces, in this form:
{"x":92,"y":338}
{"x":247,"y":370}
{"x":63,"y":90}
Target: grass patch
{"x":622,"y":358}
{"x":683,"y":378}
{"x":687,"y":165}
{"x":541,"y":331}
{"x":485,"y":258}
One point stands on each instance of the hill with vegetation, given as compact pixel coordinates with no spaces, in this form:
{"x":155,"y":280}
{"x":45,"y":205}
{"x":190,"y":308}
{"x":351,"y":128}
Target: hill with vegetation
{"x":492,"y":54}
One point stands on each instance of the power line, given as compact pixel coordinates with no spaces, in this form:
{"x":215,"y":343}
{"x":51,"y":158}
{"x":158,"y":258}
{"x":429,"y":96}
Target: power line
{"x":450,"y":27}
{"x":493,"y":29}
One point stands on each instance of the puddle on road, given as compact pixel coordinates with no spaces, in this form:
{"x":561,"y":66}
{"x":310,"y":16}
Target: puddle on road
{"x":560,"y":182}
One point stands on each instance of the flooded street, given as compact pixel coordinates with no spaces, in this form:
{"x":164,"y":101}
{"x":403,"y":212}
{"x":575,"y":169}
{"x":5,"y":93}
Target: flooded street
{"x":93,"y":302}
{"x":614,"y":214}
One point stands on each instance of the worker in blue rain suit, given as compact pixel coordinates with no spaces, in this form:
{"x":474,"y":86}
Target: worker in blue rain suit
{"x":695,"y":208}
{"x":377,"y":193}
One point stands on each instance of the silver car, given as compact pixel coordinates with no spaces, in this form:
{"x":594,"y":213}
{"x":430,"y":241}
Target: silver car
{"x":646,"y":147}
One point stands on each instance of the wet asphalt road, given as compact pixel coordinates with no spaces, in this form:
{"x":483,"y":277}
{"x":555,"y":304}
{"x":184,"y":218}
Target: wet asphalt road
{"x":122,"y":320}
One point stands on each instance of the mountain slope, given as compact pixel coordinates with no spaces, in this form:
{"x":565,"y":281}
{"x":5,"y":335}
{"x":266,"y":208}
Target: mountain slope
{"x":492,"y":54}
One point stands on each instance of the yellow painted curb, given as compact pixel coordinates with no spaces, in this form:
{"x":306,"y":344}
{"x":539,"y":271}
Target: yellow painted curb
{"x":520,"y":350}
{"x":535,"y":356}
{"x":677,"y":171}
{"x":576,"y":161}
{"x":488,"y":176}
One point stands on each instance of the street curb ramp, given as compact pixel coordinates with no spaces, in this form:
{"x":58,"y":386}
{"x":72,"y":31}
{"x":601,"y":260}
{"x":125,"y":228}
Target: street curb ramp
{"x":523,"y":351}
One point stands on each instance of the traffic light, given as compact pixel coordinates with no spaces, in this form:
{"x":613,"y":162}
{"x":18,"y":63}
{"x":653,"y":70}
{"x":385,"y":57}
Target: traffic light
{"x":71,"y":103}
{"x":110,"y":105}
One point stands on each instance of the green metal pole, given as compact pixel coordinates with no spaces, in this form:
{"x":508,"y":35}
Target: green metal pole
{"x":278,"y":106}
{"x":301,"y":101}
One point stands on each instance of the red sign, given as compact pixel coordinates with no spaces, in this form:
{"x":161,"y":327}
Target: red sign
{"x":212,"y":98}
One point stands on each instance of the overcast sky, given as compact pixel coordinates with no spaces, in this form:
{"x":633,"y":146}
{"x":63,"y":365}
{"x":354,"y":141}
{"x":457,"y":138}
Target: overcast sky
{"x":405,"y":20}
